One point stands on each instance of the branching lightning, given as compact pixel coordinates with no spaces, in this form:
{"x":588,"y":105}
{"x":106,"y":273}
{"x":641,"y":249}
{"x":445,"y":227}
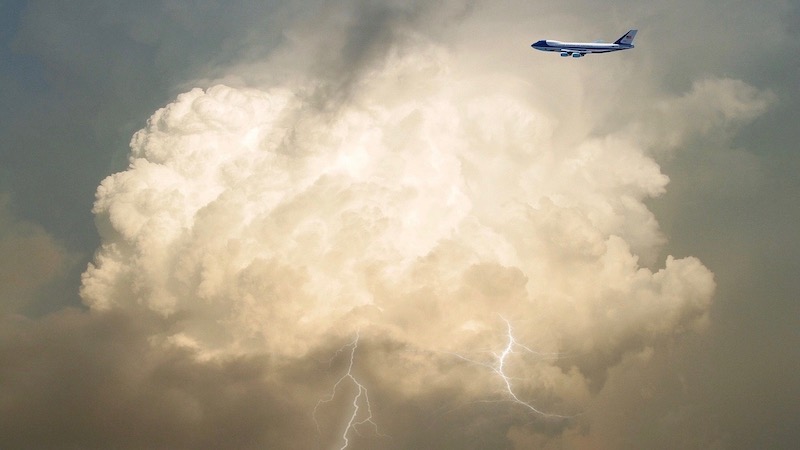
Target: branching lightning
{"x":498,"y":366}
{"x":360,"y":399}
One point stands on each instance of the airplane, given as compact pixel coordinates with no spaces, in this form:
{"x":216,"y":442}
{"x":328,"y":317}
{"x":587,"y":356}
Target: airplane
{"x":578,"y":49}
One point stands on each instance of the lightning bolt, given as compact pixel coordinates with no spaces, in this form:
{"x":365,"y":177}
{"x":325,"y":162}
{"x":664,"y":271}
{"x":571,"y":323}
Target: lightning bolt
{"x":360,"y":399}
{"x":498,"y":366}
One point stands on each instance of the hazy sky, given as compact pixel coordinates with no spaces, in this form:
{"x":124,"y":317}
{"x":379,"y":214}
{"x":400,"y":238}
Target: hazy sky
{"x":251,"y":225}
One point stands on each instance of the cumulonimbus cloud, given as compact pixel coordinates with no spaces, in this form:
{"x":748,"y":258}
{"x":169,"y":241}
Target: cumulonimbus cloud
{"x":424,"y":211}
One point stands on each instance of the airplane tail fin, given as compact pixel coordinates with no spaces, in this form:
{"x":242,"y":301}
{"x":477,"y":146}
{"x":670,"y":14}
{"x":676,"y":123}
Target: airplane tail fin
{"x":627,"y":38}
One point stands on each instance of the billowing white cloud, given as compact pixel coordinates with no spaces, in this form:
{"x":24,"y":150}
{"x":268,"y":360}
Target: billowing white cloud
{"x":423,"y":210}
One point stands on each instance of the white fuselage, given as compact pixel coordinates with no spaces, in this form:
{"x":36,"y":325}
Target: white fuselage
{"x":578,"y":49}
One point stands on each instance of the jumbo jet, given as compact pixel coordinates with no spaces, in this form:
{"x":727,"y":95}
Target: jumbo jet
{"x":578,"y":49}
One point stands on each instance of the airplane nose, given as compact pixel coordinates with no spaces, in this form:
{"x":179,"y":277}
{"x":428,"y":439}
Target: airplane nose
{"x":538,"y":44}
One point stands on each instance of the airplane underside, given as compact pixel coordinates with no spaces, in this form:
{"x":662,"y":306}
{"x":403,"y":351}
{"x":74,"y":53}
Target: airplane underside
{"x":578,"y":53}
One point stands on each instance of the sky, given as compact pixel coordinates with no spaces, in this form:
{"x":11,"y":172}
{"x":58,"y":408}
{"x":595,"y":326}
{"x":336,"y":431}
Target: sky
{"x":388,"y":225}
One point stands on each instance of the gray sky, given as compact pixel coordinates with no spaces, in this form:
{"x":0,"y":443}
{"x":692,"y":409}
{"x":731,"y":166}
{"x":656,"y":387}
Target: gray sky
{"x":616,"y":234}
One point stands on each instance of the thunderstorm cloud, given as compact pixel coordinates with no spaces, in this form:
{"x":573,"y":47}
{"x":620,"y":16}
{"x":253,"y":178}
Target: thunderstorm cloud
{"x":356,"y":228}
{"x":269,"y":225}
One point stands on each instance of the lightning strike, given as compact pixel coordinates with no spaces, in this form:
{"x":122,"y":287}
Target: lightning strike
{"x":360,"y":399}
{"x":498,"y":366}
